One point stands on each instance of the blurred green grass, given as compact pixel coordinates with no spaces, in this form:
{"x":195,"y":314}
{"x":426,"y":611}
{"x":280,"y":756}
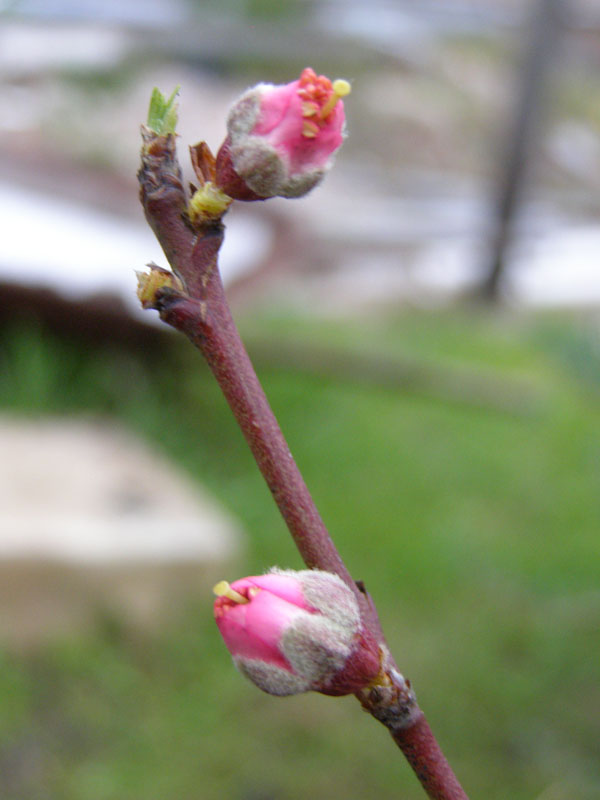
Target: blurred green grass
{"x":477,"y":532}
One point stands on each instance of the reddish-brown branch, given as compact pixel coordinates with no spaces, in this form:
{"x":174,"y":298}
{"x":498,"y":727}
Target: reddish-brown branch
{"x":199,"y":309}
{"x":203,"y":314}
{"x":423,"y":753}
{"x":216,"y":336}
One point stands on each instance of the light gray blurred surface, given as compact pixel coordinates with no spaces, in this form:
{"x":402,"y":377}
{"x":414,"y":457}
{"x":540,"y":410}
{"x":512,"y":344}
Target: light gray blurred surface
{"x":91,"y":517}
{"x":433,"y":92}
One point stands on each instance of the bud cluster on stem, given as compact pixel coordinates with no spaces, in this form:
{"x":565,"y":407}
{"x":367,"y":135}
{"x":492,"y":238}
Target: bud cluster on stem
{"x":287,"y":631}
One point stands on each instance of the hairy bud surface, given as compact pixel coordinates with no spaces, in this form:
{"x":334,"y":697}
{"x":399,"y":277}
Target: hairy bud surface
{"x":291,"y":632}
{"x":281,"y":139}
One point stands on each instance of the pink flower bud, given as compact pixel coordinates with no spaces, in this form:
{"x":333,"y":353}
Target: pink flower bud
{"x":290,"y":632}
{"x":281,"y":139}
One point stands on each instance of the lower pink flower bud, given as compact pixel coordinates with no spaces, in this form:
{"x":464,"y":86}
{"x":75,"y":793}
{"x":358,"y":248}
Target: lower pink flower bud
{"x":281,"y":139}
{"x":292,"y":632}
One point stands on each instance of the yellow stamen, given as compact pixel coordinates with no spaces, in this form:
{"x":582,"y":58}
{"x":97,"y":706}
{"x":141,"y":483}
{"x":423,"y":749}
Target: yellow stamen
{"x":309,"y":109}
{"x":309,"y":129}
{"x":340,"y":89}
{"x":223,"y":589}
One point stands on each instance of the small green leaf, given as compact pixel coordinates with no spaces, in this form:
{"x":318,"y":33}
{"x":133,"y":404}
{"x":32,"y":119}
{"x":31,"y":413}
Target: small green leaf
{"x":162,"y":113}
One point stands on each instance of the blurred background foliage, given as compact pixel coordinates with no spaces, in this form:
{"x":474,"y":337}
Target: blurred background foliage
{"x":476,"y":530}
{"x":452,"y":446}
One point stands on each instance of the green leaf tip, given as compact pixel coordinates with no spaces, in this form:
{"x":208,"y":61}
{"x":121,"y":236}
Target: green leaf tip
{"x":162,"y":112}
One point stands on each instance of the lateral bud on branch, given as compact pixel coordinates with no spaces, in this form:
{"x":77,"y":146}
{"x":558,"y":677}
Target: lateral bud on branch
{"x":295,"y":631}
{"x":155,"y":284}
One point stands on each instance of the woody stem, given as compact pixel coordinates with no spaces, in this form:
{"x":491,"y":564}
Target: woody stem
{"x":201,"y":311}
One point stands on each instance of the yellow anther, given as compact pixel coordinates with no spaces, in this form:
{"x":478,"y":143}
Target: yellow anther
{"x":309,"y":129}
{"x":309,"y":109}
{"x":340,"y":89}
{"x":223,"y":589}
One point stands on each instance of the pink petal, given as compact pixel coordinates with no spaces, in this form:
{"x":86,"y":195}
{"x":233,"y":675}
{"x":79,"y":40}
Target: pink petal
{"x":284,"y":586}
{"x":254,"y":629}
{"x":274,"y":106}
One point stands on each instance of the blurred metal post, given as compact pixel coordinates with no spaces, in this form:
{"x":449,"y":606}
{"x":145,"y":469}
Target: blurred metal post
{"x":546,"y":24}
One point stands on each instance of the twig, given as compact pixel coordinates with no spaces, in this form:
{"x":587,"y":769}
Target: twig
{"x":192,"y":300}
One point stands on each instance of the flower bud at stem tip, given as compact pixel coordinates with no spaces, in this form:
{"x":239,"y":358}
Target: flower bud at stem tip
{"x":223,"y":589}
{"x":281,"y":139}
